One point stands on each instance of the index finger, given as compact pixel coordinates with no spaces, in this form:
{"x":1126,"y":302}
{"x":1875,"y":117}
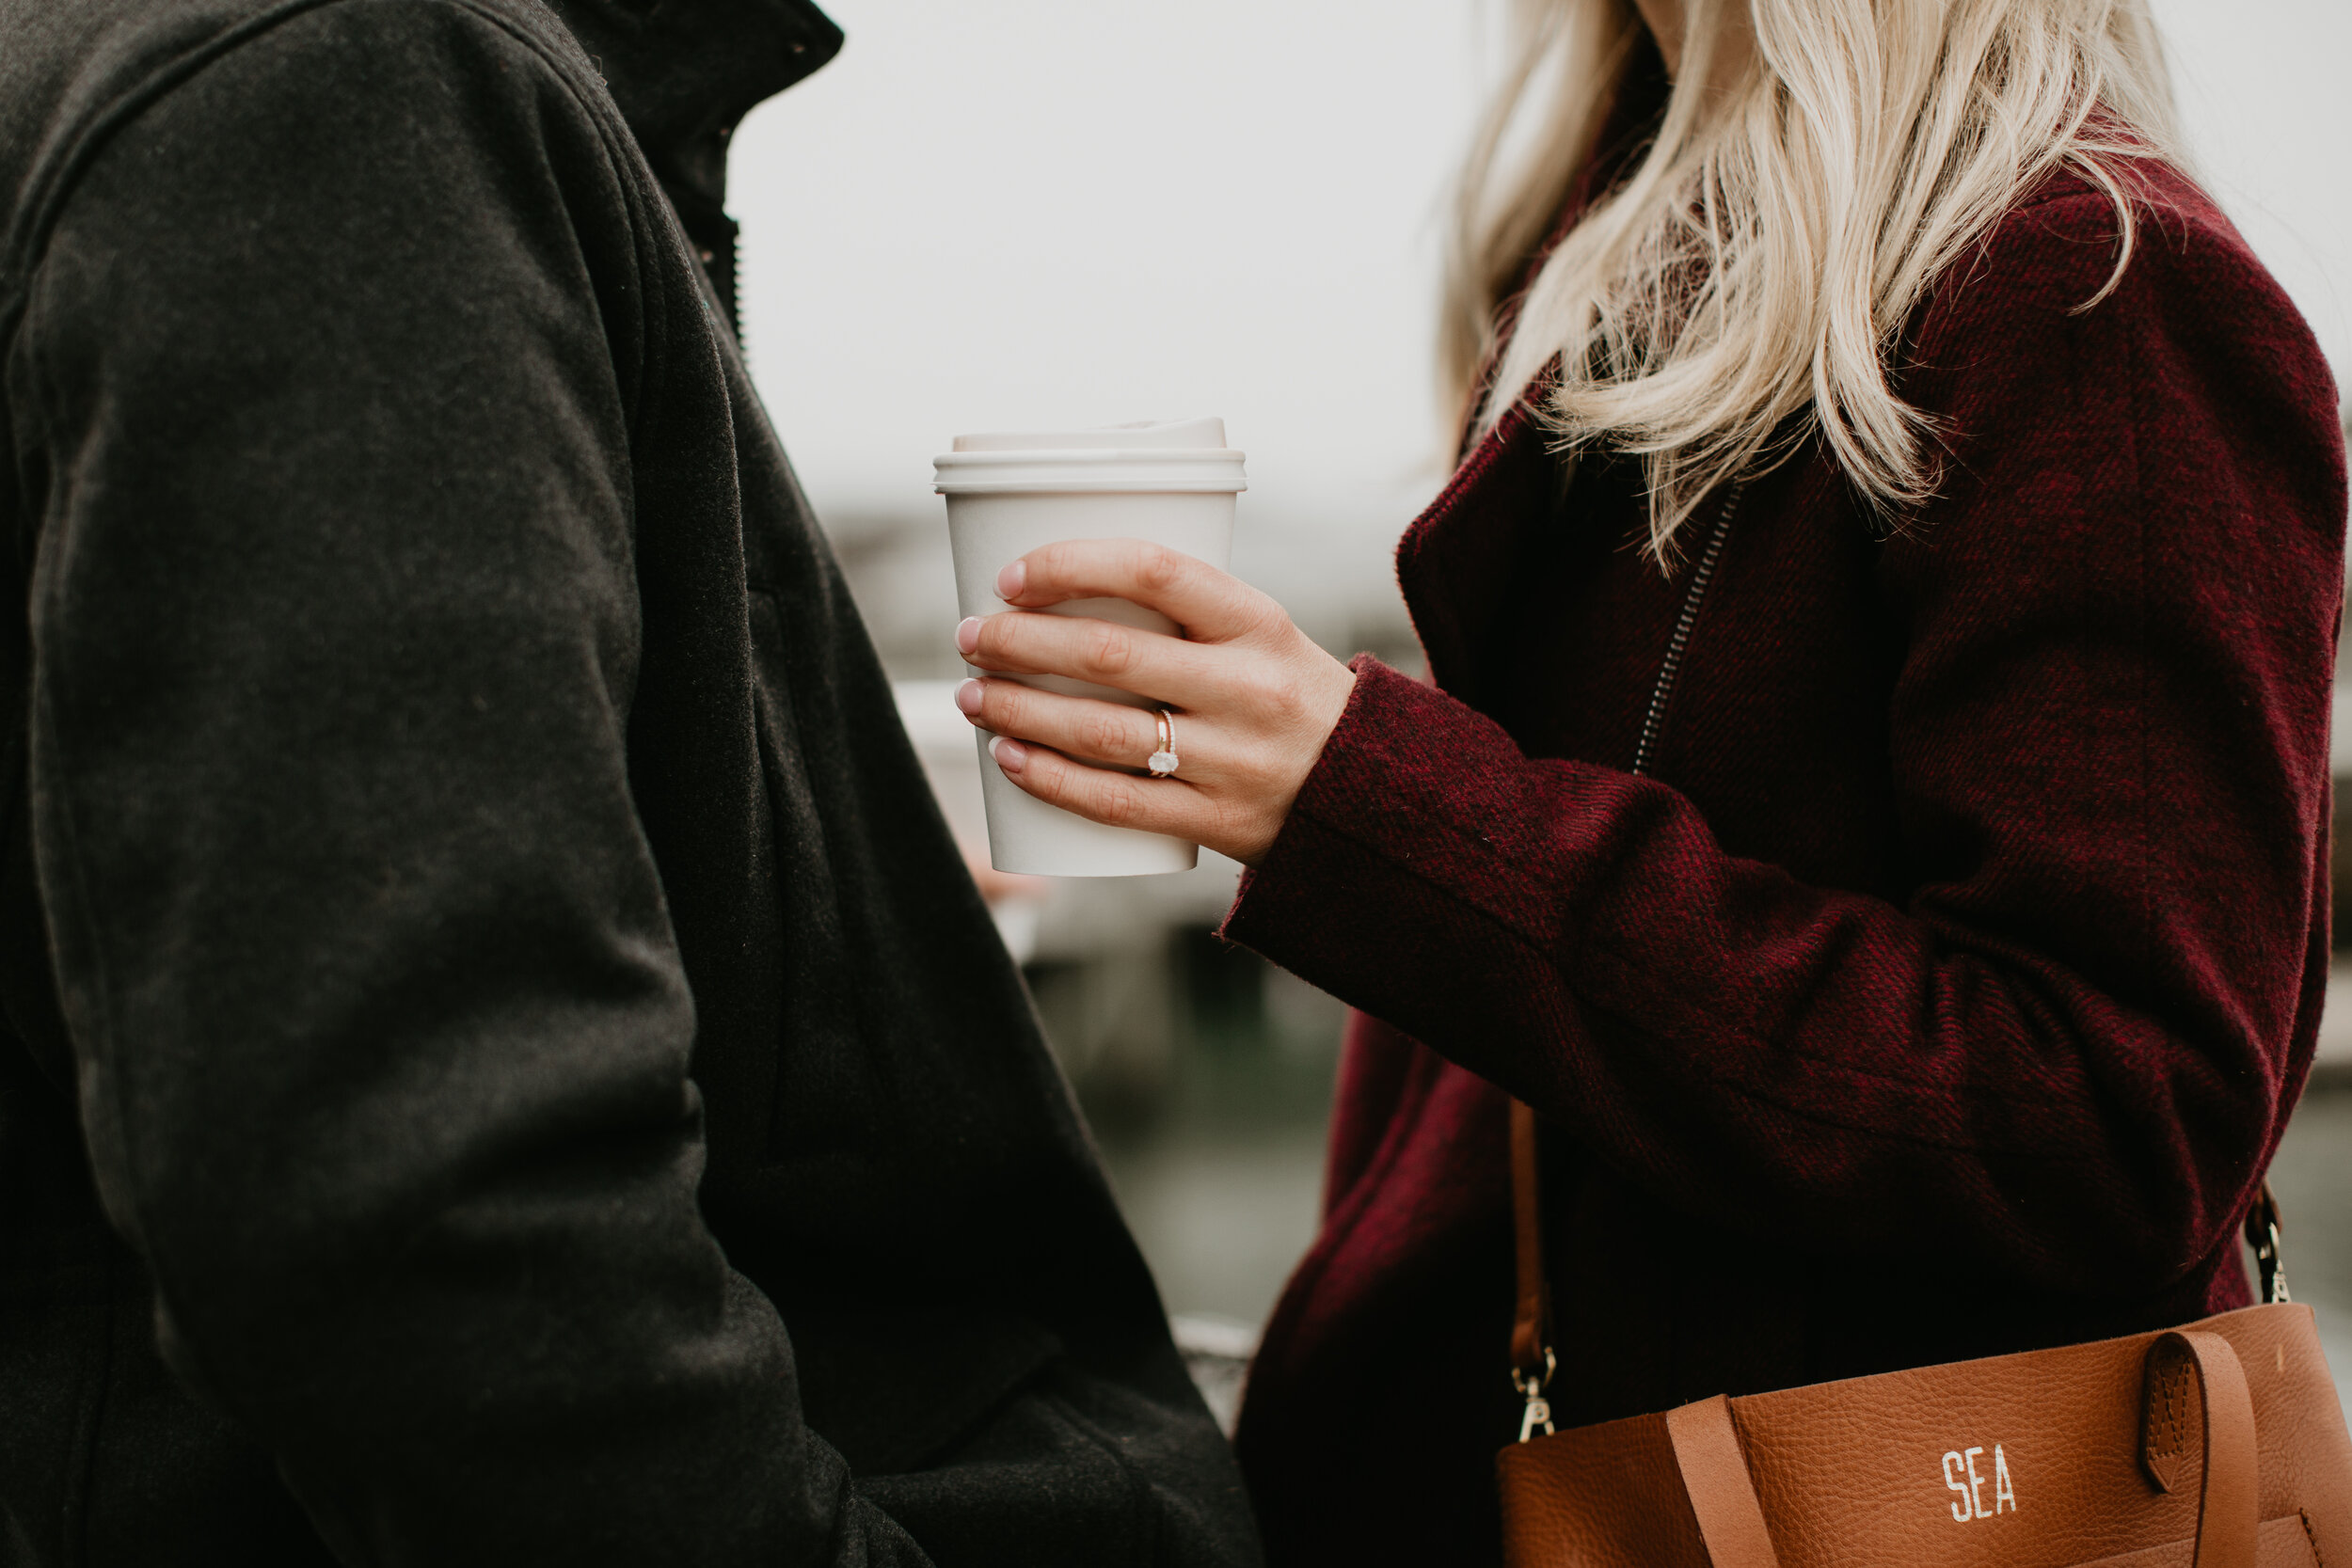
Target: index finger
{"x":1211,"y":606}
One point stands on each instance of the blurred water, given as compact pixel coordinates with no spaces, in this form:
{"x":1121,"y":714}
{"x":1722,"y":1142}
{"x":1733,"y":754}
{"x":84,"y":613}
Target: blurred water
{"x":1219,"y":1165}
{"x":2313,"y":1179}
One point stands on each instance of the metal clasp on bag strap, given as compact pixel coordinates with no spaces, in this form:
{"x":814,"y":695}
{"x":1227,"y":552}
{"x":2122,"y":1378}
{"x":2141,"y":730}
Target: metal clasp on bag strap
{"x":1531,"y":1361}
{"x":2262,"y":1234}
{"x":1531,"y":1385}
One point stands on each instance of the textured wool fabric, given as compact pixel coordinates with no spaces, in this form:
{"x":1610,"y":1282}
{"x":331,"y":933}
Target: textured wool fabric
{"x":1943,"y":990}
{"x":503,"y":1063}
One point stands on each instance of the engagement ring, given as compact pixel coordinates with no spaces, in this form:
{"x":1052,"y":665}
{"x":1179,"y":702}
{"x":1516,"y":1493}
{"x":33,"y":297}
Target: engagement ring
{"x":1163,"y":763}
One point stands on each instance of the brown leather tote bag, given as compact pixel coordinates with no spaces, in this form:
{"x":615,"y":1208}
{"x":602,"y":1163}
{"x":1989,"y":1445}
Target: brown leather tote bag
{"x":2219,"y":1445}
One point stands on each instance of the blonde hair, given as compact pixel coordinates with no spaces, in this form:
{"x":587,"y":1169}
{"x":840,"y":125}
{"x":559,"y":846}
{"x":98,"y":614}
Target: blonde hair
{"x":1741,"y":292}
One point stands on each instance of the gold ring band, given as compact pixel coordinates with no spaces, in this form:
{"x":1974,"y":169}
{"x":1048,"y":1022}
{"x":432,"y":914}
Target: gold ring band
{"x":1164,"y":762}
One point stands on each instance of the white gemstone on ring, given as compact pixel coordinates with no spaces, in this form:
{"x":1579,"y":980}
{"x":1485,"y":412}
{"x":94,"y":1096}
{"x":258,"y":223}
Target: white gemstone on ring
{"x":1163,"y":762}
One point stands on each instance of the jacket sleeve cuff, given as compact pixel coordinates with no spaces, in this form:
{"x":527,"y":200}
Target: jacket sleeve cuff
{"x":1391,"y":881}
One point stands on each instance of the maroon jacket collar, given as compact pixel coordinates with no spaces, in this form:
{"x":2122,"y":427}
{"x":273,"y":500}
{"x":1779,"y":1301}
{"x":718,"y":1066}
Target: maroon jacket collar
{"x":1458,"y":551}
{"x":1456,"y":556}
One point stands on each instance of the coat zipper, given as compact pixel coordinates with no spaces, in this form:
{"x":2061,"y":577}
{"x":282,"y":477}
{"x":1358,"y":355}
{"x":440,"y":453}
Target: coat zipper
{"x":1671,"y":670}
{"x":1538,"y":1407}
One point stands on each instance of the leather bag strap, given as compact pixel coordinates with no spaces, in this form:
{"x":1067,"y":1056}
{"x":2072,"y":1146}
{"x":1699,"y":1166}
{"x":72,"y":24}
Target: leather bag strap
{"x":1530,"y":1319}
{"x":1723,"y":1495}
{"x":2228,"y":1511}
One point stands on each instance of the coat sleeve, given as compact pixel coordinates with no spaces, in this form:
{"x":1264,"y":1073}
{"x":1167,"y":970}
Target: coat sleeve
{"x":2068,"y":1052}
{"x":382,"y":1028}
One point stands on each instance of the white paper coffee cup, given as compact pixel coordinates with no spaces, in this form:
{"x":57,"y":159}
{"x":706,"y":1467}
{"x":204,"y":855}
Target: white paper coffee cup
{"x":1172,"y":485}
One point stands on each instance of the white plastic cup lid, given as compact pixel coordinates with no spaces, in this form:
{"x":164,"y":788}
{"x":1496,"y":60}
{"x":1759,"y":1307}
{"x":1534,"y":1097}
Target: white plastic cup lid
{"x":1144,"y":435}
{"x":1163,"y":456}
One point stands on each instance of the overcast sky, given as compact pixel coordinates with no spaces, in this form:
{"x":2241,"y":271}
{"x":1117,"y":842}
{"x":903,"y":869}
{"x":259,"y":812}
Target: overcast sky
{"x":1043,"y":212}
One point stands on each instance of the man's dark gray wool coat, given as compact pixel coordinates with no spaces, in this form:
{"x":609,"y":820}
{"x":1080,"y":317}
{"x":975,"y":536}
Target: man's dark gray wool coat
{"x":552,"y":1093}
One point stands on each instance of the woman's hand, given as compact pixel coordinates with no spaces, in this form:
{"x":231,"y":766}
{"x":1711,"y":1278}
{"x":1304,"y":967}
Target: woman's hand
{"x":1253,"y":699}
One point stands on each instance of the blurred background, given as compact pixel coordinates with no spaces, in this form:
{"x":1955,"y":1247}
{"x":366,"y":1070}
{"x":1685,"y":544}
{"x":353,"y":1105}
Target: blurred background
{"x":1047,"y":213}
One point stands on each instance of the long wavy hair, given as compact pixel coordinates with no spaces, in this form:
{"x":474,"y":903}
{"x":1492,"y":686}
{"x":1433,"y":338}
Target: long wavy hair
{"x":1820,"y":165}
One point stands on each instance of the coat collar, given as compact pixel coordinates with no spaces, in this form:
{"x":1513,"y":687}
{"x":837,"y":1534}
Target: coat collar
{"x":1454,"y":563}
{"x":1457,"y":554}
{"x":685,"y":73}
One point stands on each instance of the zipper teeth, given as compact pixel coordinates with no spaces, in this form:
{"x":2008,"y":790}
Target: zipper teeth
{"x":1653,"y":726}
{"x":735,"y":293}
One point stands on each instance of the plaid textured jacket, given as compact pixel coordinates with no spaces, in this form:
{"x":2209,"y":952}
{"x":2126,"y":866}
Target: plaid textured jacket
{"x":1944,"y":990}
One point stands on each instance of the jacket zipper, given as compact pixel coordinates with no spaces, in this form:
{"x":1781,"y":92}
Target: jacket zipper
{"x":1670,"y":671}
{"x":1539,"y":1408}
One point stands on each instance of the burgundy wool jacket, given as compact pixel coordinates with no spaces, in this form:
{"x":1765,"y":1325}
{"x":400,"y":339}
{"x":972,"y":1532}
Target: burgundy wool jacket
{"x":1945,"y":988}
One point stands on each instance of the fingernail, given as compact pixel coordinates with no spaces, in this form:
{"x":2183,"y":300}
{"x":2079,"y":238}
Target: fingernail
{"x":1011,"y":580}
{"x":968,"y":635}
{"x":968,"y":698}
{"x":1010,"y":755}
